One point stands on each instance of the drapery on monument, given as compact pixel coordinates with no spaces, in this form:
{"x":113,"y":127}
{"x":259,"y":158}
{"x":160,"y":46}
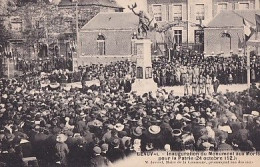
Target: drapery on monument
{"x":144,"y":21}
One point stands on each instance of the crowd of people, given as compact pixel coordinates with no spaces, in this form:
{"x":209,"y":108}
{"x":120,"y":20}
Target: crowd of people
{"x":228,"y":70}
{"x":100,"y":125}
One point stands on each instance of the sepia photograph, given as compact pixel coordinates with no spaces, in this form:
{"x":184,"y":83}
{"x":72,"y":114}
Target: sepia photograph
{"x":129,"y":83}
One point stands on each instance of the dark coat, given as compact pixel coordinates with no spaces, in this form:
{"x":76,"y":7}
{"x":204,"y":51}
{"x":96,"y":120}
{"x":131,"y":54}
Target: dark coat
{"x":99,"y":161}
{"x":115,"y":154}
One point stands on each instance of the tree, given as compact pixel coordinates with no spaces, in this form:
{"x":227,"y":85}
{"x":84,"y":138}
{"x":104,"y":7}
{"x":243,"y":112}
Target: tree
{"x":4,"y":34}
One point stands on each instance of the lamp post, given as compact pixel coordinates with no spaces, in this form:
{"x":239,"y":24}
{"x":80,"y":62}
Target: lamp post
{"x":187,"y":8}
{"x":77,"y":28}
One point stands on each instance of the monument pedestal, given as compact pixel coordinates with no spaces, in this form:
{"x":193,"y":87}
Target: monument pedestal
{"x":144,"y":82}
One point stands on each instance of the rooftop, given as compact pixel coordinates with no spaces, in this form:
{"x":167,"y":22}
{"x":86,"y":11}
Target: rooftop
{"x":106,"y":3}
{"x":112,"y":21}
{"x":233,"y":18}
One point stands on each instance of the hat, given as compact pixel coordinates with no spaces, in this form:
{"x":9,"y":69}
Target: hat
{"x":178,"y":117}
{"x":186,"y":109}
{"x":119,"y":127}
{"x":67,"y":119}
{"x":97,"y":150}
{"x":225,"y":129}
{"x":137,"y":142}
{"x":255,"y":113}
{"x":97,"y":123}
{"x":176,"y":132}
{"x":202,"y":121}
{"x":232,"y":104}
{"x":137,"y":131}
{"x":207,"y":145}
{"x":61,"y":138}
{"x":2,"y":110}
{"x":82,"y":114}
{"x":154,"y":129}
{"x":110,"y":126}
{"x":115,"y":142}
{"x":104,"y":147}
{"x":125,"y":139}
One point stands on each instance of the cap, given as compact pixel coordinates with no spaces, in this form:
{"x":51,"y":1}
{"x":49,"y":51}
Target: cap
{"x":97,"y":150}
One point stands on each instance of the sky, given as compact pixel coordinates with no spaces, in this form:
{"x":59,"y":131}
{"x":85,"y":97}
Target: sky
{"x":141,"y":4}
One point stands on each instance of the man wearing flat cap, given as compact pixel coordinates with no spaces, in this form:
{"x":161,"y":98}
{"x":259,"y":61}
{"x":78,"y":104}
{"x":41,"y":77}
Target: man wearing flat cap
{"x":98,"y":160}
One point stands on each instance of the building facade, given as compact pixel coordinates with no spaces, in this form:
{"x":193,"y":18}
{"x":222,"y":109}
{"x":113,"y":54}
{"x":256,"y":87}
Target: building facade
{"x":193,"y":16}
{"x":225,"y":33}
{"x":106,"y":38}
{"x":41,"y":29}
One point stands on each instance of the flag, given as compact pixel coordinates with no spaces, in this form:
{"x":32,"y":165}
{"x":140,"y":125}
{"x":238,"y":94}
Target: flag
{"x":240,"y":42}
{"x":248,"y":30}
{"x":257,"y":19}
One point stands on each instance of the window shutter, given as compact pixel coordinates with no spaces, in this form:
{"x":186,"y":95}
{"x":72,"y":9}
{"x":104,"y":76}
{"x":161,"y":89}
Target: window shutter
{"x":236,"y":6}
{"x":171,"y":12}
{"x":150,"y":10}
{"x":164,"y":13}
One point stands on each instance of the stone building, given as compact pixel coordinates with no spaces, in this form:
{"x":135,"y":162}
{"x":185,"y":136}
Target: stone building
{"x":41,"y":29}
{"x":192,"y":16}
{"x":107,"y":38}
{"x":225,"y":33}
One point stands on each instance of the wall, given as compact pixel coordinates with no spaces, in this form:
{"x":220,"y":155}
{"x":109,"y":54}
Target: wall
{"x":233,"y":5}
{"x":188,"y":13}
{"x":215,"y":43}
{"x":117,"y":42}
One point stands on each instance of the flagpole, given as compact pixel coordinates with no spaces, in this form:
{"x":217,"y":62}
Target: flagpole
{"x":248,"y":65}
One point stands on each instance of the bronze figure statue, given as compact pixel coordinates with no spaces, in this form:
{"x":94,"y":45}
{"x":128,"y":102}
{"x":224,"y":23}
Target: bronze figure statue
{"x":144,"y":21}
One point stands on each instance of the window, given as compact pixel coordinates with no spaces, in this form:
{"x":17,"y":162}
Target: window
{"x":16,"y":24}
{"x":157,"y":12}
{"x":243,"y":6}
{"x":222,"y":6}
{"x":177,"y":12}
{"x":178,"y":37}
{"x":139,"y":72}
{"x":199,"y":36}
{"x":101,"y":44}
{"x":200,"y":11}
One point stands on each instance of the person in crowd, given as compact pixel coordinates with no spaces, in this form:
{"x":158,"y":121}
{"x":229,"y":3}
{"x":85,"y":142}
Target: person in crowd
{"x":208,"y":82}
{"x":98,"y":160}
{"x":216,"y":84}
{"x":201,"y":84}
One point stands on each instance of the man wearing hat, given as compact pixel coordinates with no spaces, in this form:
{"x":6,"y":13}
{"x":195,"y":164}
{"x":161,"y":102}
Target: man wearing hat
{"x":255,"y":134}
{"x":98,"y":160}
{"x":115,"y":153}
{"x":104,"y":149}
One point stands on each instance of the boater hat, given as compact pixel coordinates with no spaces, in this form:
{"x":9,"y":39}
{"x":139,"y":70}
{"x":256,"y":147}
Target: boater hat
{"x":154,"y":129}
{"x":137,"y":131}
{"x":119,"y":127}
{"x":176,"y":132}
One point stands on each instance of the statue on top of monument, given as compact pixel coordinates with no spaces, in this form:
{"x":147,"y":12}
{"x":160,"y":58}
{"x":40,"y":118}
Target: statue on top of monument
{"x":144,"y":21}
